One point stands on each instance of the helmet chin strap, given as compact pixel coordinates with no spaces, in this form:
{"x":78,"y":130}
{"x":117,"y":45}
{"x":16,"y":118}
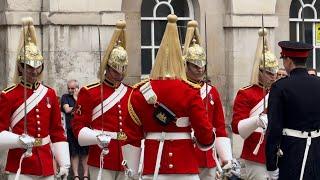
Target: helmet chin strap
{"x":111,"y":80}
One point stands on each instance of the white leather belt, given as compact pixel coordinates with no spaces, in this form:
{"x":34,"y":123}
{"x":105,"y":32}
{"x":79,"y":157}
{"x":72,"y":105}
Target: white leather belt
{"x":300,"y":134}
{"x":41,"y":141}
{"x":113,"y":135}
{"x":168,"y":135}
{"x":304,"y":135}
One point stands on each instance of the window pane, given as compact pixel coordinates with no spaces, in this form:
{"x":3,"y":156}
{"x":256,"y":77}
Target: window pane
{"x":181,"y":8}
{"x":163,"y":11}
{"x":307,"y":1}
{"x":159,"y":28}
{"x":318,"y":59}
{"x":146,"y":33}
{"x":146,"y":61}
{"x":147,"y":8}
{"x":307,"y":32}
{"x":294,"y":9}
{"x":182,"y":29}
{"x":307,"y":13}
{"x":293,"y":31}
{"x":317,"y":6}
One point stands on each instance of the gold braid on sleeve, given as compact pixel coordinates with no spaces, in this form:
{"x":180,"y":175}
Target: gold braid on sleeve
{"x":132,"y":113}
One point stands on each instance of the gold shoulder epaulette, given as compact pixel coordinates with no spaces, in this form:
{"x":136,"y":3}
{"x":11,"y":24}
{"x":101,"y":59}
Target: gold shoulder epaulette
{"x":246,"y":87}
{"x":92,"y":85}
{"x":8,"y":89}
{"x":194,"y":85}
{"x":140,"y":83}
{"x":132,"y":113}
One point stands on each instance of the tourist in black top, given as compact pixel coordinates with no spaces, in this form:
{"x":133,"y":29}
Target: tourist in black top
{"x":68,"y":102}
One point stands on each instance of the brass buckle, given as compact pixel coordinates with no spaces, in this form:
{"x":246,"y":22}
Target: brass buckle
{"x":38,"y":142}
{"x":121,"y":136}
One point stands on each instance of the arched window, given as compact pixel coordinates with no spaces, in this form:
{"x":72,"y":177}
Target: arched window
{"x":305,"y":27}
{"x":153,"y":23}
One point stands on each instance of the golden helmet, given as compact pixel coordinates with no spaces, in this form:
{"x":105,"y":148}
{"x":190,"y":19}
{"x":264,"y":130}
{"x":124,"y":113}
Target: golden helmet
{"x":118,"y":59}
{"x":270,"y":64}
{"x":264,"y":59}
{"x":28,"y":50}
{"x":193,"y":52}
{"x":116,"y":55}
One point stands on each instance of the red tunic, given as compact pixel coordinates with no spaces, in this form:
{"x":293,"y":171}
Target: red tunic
{"x":43,"y":120}
{"x":246,"y":99}
{"x":216,"y":117}
{"x":89,"y":97}
{"x":178,"y":156}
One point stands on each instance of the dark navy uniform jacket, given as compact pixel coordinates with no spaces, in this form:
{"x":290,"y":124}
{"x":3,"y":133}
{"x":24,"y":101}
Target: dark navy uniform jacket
{"x":293,"y":104}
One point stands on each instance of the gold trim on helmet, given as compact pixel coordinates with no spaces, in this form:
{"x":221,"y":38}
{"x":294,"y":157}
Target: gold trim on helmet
{"x":193,"y":52}
{"x":31,"y":57}
{"x":118,"y":59}
{"x":271,"y":62}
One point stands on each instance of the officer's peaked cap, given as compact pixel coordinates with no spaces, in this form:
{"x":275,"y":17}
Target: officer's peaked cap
{"x":295,"y":49}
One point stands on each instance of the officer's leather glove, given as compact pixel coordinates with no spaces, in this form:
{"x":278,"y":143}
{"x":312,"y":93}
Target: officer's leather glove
{"x":273,"y":175}
{"x":262,"y":121}
{"x":27,"y":143}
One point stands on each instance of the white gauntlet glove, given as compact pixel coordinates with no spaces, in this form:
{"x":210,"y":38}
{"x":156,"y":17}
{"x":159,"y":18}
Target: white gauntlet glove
{"x":103,"y":142}
{"x":27,"y":143}
{"x":63,"y":173}
{"x":131,"y":159}
{"x":60,"y":151}
{"x":232,"y":168}
{"x":262,"y":121}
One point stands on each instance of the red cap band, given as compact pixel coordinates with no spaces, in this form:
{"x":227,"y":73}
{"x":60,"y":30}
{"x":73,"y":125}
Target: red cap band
{"x":294,"y":53}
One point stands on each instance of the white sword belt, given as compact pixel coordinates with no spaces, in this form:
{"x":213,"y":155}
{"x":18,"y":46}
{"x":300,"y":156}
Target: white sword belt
{"x":41,"y":141}
{"x":303,"y":135}
{"x":113,"y":135}
{"x":168,"y":135}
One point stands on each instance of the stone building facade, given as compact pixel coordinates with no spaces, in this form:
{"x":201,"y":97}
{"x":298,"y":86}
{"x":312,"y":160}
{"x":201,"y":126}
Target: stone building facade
{"x":68,"y":36}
